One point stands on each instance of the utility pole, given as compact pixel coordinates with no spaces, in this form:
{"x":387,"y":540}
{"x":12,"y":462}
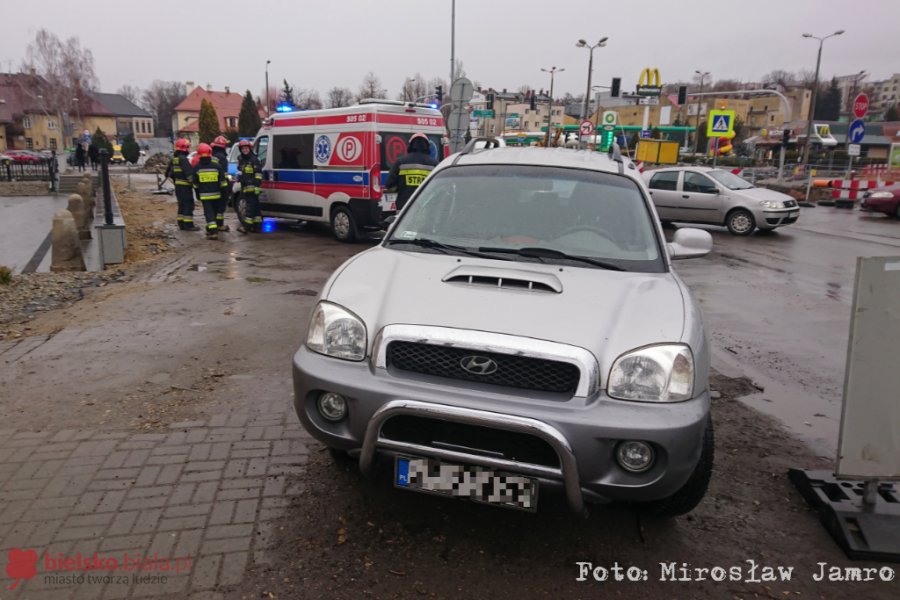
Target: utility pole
{"x":268,"y":103}
{"x":553,"y":71}
{"x":452,"y":40}
{"x":697,"y":126}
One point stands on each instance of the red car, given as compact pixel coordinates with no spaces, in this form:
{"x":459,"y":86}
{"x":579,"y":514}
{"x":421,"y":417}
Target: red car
{"x":885,"y":200}
{"x":23,"y":156}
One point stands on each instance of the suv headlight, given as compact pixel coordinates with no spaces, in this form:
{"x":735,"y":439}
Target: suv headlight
{"x":663,"y":373}
{"x":771,"y":203}
{"x":880,"y":195}
{"x":335,"y":331}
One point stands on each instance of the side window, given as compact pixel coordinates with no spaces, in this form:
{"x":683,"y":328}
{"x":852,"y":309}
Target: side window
{"x":261,"y":149}
{"x":393,"y":146}
{"x":695,"y":182}
{"x":664,"y":180}
{"x":292,"y":151}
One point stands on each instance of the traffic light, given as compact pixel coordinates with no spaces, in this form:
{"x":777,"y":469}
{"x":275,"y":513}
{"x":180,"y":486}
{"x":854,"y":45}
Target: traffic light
{"x":533,"y":102}
{"x":682,"y":94}
{"x":439,"y":94}
{"x":490,"y":102}
{"x":616,"y":84}
{"x":785,"y":137}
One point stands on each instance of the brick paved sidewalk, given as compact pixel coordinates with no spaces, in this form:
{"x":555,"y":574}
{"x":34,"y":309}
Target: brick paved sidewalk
{"x":208,"y":490}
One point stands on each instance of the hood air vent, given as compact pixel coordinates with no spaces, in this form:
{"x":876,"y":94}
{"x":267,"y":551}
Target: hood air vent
{"x":510,"y":279}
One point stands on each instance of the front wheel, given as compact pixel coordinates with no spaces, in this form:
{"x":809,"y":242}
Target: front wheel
{"x":692,"y":492}
{"x":343,"y":225}
{"x":897,"y":211}
{"x":740,"y":222}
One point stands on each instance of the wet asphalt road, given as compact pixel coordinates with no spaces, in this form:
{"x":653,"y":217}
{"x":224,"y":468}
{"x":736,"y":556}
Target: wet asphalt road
{"x":777,"y":307}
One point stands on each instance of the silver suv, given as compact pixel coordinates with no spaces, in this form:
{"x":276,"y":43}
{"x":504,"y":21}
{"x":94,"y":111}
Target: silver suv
{"x":520,"y":328}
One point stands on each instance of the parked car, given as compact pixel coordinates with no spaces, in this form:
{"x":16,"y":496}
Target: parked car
{"x":718,"y":197}
{"x":117,"y":158}
{"x":885,"y":200}
{"x":520,"y":326}
{"x":24,"y":156}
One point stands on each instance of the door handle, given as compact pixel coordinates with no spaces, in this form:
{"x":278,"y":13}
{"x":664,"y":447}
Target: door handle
{"x":685,"y":196}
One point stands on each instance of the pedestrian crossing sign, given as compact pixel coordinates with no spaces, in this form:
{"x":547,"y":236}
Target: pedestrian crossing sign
{"x":720,"y":123}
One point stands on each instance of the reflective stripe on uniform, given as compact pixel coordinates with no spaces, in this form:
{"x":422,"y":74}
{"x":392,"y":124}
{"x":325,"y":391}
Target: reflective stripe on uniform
{"x":182,"y":182}
{"x":212,"y":226}
{"x":215,"y":196}
{"x":413,"y":177}
{"x":208,"y":176}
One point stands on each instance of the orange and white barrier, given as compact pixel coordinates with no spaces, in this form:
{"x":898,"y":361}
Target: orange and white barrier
{"x":853,"y":189}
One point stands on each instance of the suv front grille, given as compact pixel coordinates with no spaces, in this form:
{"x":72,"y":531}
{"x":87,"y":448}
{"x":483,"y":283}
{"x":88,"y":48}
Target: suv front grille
{"x":521,"y":372}
{"x":472,"y":439}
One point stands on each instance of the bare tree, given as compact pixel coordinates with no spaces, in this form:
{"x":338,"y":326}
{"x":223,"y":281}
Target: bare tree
{"x":458,"y":69}
{"x":779,"y":78}
{"x":274,"y":94}
{"x":339,"y":96}
{"x":370,"y":88}
{"x":308,"y":100}
{"x":64,"y":75}
{"x":414,"y":88}
{"x":160,"y":99}
{"x":131,"y":92}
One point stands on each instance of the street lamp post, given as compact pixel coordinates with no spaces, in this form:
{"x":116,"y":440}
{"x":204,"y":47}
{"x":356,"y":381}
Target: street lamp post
{"x":268,"y":104}
{"x":702,"y":75}
{"x":812,"y":108}
{"x":812,"y":98}
{"x":553,"y":71}
{"x":587,"y":94}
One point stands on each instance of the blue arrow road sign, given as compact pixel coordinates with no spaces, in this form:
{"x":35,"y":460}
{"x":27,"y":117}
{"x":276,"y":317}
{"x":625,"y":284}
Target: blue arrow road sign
{"x":856,"y":132}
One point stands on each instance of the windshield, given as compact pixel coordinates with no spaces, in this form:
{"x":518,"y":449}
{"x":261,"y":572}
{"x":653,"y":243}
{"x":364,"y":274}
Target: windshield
{"x":730,"y":180}
{"x":533,"y":214}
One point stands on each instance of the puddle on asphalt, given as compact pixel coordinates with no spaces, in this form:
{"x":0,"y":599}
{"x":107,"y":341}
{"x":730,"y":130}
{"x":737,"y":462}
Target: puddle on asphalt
{"x":833,"y":290}
{"x":810,"y":417}
{"x":301,"y":292}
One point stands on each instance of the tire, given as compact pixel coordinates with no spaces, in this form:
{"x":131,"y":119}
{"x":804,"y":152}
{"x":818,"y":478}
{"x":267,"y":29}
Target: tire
{"x":897,"y":211}
{"x":740,"y":222}
{"x":240,"y":207}
{"x":343,"y":225}
{"x":692,"y":492}
{"x":340,"y":456}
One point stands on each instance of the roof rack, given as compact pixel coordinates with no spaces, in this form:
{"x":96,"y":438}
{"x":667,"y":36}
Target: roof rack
{"x":615,"y":153}
{"x":489,"y":143}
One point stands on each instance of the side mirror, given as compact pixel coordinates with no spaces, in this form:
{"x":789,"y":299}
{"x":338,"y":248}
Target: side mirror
{"x":689,"y":243}
{"x":388,"y":221}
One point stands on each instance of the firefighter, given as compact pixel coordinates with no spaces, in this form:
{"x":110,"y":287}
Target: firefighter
{"x":220,"y":154}
{"x":251,"y":179}
{"x":209,"y":185}
{"x":411,"y":169}
{"x":180,"y":172}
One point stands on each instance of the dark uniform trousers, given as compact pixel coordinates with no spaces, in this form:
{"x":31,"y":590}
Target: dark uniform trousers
{"x":209,"y":185}
{"x":251,"y":180}
{"x":180,"y":172}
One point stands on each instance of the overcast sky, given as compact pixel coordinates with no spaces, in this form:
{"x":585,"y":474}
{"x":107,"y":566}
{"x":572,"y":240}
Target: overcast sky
{"x":502,"y":43}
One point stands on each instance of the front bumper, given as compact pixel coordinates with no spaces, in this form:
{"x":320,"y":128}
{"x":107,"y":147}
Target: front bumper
{"x":776,"y":218}
{"x":583,"y":432}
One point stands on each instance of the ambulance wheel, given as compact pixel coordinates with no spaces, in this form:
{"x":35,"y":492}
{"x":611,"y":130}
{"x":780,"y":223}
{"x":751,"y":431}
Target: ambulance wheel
{"x":343,"y":225}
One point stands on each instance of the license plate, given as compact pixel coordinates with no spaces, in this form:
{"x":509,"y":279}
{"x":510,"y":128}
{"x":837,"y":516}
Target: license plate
{"x":388,"y":203}
{"x":475,"y":483}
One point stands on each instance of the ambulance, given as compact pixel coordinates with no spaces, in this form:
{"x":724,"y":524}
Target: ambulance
{"x":331,"y":165}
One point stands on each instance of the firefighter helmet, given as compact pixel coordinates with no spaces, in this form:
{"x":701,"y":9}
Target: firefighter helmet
{"x":424,"y":144}
{"x":204,"y":150}
{"x":244,"y":144}
{"x":183,"y":144}
{"x":220,"y":141}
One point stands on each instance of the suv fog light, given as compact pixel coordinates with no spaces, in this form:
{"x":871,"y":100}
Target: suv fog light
{"x":332,"y":406}
{"x":634,"y":456}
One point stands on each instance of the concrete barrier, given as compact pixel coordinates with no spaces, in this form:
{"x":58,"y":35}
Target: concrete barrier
{"x":66,"y":249}
{"x":83,"y":219}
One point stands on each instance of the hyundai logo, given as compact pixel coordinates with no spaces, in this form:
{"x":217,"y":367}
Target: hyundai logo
{"x":478,"y":365}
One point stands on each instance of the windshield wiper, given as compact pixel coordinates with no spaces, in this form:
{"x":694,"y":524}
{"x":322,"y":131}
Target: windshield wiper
{"x":429,"y":243}
{"x":538,"y":252}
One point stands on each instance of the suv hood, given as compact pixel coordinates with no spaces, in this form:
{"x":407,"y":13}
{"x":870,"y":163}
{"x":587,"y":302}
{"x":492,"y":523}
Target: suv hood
{"x":605,"y":312}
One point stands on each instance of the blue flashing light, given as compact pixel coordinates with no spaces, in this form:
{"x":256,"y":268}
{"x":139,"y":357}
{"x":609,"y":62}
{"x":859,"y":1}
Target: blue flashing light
{"x":284,"y":108}
{"x":268,"y":226}
{"x":434,"y":105}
